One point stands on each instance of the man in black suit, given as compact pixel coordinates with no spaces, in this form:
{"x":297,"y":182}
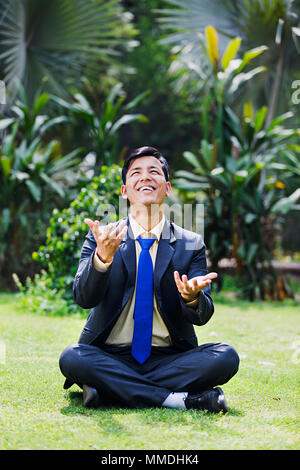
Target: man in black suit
{"x":173,"y":371}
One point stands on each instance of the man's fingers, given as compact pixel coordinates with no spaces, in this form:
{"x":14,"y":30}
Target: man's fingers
{"x":206,"y":280}
{"x":210,"y":276}
{"x":183,"y":284}
{"x":176,"y":277}
{"x":189,"y":286}
{"x":178,"y":281}
{"x":116,"y":232}
{"x":204,"y":283}
{"x":107,"y":230}
{"x":193,"y":285}
{"x":123,"y":233}
{"x":120,"y":235}
{"x":90,"y":223}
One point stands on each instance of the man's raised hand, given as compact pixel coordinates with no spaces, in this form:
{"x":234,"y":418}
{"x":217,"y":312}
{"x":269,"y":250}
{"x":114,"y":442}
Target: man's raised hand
{"x":107,"y":238}
{"x":189,"y":289}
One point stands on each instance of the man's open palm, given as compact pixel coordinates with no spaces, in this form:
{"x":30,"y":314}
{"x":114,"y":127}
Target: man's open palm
{"x":107,"y":239}
{"x":189,"y":288}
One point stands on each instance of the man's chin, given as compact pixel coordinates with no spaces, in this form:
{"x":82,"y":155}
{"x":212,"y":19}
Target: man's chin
{"x":145,"y":203}
{"x":146,"y":199}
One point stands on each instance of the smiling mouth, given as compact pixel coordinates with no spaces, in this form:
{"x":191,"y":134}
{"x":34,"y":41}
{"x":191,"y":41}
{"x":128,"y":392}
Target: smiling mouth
{"x":146,"y":189}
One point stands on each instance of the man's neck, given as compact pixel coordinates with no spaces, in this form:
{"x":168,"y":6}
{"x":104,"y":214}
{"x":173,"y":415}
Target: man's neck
{"x":147,"y":216}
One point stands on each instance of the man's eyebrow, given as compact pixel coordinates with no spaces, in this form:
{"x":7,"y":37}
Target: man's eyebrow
{"x":149,"y":167}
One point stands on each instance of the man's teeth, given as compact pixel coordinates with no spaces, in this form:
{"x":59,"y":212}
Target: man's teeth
{"x":146,"y":188}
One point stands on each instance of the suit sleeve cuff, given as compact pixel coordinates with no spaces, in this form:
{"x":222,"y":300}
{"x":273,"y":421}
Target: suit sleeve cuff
{"x":99,"y":265}
{"x":198,"y":303}
{"x":193,"y":303}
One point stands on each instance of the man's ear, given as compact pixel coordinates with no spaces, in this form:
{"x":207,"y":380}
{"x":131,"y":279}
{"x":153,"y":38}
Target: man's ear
{"x":168,"y":189}
{"x":124,"y":192}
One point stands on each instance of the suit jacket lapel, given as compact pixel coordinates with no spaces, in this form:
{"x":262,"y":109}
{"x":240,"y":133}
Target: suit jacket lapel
{"x":127,"y":251}
{"x":164,"y":253}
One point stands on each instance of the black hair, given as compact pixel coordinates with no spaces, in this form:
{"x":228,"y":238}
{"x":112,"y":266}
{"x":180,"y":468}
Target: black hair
{"x":145,"y":152}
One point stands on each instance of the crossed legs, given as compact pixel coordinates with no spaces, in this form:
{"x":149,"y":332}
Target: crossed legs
{"x":121,"y":379}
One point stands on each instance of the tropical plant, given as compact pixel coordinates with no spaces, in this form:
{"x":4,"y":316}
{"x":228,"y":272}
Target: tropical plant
{"x":34,"y":175}
{"x":242,"y":206}
{"x":166,"y":108}
{"x":32,"y":118}
{"x":243,"y":167}
{"x":274,"y":23}
{"x":100,"y":123}
{"x":59,"y":255}
{"x":59,"y":41}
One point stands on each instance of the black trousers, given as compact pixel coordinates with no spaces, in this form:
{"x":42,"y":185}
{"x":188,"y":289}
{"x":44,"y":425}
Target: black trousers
{"x":122,"y":381}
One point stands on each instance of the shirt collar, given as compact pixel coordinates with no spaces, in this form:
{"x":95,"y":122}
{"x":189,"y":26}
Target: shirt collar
{"x":138,"y":230}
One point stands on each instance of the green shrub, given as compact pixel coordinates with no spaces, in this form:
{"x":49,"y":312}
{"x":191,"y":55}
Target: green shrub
{"x":35,"y":176}
{"x":39,"y":296}
{"x":51,"y":291}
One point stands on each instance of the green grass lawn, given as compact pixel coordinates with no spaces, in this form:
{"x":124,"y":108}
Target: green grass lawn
{"x":36,"y":413}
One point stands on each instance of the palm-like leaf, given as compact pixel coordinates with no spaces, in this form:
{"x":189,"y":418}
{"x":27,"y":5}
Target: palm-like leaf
{"x":57,"y":40}
{"x":274,"y":23}
{"x":254,"y":21}
{"x":239,"y":201}
{"x":102,"y":125}
{"x":188,"y":18}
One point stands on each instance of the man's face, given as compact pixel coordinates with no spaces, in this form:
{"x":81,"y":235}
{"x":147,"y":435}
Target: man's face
{"x":145,"y":182}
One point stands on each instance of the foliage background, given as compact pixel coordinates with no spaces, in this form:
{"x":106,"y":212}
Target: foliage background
{"x":88,"y":81}
{"x":215,"y":85}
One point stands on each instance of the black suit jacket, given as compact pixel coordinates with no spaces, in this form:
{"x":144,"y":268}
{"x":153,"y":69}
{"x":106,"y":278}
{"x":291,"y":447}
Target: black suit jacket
{"x":106,"y":293}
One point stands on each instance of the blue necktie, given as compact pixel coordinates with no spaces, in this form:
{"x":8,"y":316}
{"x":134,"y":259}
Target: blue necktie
{"x":143,"y":310}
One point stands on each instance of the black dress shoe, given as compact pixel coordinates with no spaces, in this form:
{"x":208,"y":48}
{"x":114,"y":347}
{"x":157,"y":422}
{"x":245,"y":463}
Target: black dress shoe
{"x":91,"y":397}
{"x":212,"y":400}
{"x":68,"y":383}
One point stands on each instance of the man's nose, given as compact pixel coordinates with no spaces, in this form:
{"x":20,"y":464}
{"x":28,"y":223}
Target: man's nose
{"x":145,"y":176}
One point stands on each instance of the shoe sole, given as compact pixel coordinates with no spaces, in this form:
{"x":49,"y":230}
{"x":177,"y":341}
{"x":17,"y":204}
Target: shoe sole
{"x":89,"y":398}
{"x":222,"y":400}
